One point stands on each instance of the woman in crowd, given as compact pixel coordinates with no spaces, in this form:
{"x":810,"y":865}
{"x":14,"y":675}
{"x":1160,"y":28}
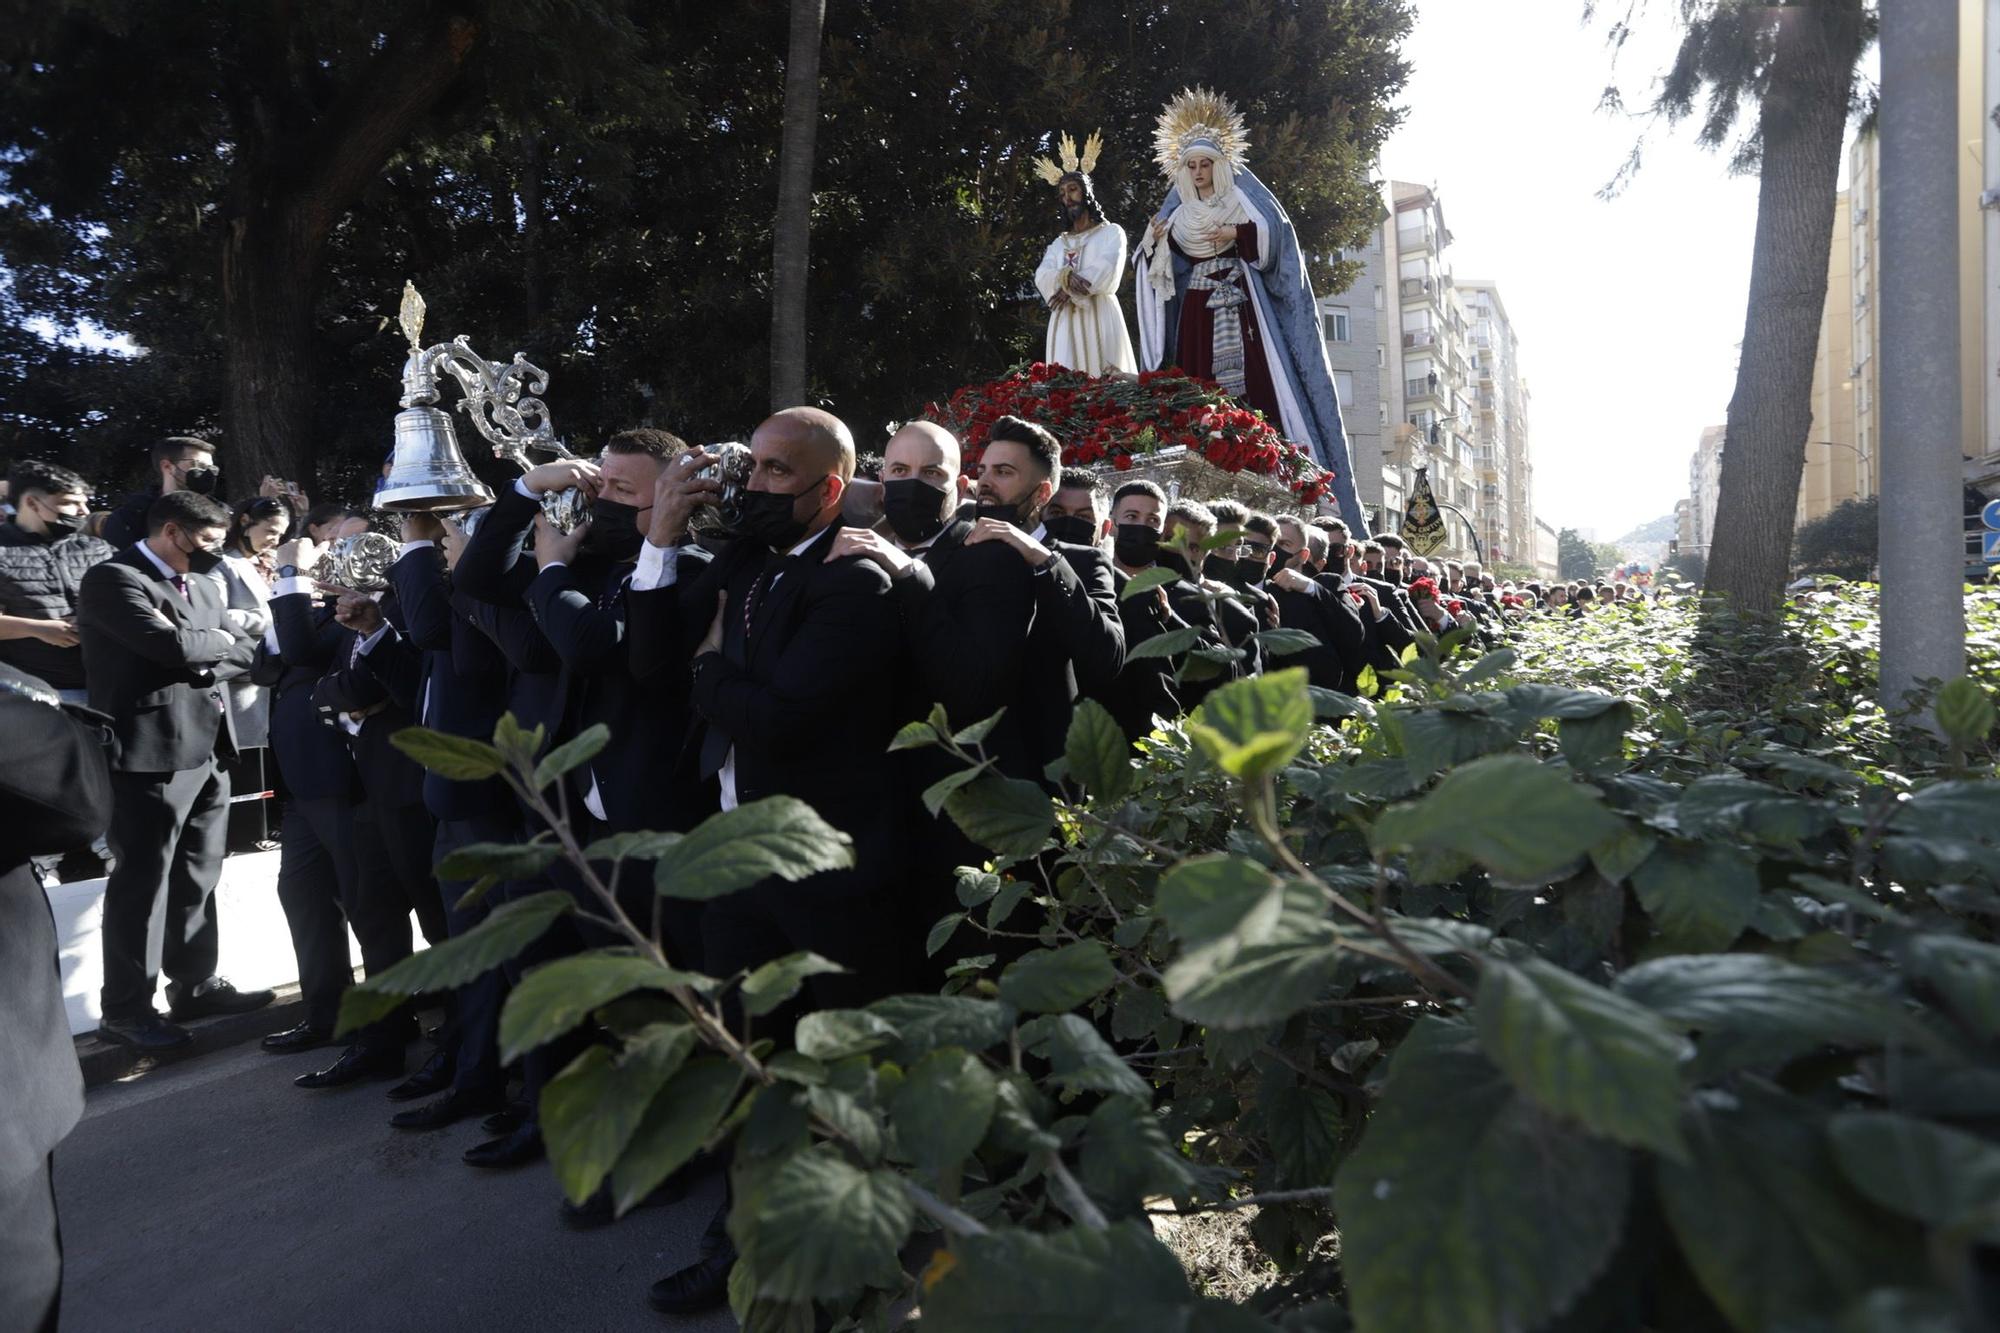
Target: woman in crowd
{"x":256,"y":526}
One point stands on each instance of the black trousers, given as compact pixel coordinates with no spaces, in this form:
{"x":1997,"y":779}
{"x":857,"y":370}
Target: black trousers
{"x":394,"y":842}
{"x":316,"y":875}
{"x":30,"y":1251}
{"x":770,"y":920}
{"x":475,"y":1017}
{"x":168,"y":831}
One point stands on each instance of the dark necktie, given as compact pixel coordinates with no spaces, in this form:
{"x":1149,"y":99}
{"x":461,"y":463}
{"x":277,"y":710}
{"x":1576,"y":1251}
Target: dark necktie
{"x":181,"y":587}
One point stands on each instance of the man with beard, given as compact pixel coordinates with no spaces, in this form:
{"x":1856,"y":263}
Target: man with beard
{"x":179,"y":463}
{"x":1080,"y":273}
{"x":794,"y":652}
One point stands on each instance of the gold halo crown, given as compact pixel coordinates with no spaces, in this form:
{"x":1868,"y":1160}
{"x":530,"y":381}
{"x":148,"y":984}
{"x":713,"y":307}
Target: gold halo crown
{"x":1196,"y":114}
{"x":1071,"y":162}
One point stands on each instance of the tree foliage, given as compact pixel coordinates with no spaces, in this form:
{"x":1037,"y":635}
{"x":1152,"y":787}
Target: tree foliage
{"x":597,"y":190}
{"x":1575,"y":557}
{"x":1841,"y":541}
{"x":1661,"y":998}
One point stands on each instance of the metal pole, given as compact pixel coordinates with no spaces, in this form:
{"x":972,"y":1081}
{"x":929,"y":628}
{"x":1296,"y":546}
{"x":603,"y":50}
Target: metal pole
{"x":1921,"y":538}
{"x":1470,"y":531}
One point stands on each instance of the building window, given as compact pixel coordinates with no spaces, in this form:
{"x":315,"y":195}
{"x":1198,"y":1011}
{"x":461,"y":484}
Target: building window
{"x":1381,"y":356}
{"x":1382,"y":414}
{"x":1343,"y":385}
{"x":1337,"y":326}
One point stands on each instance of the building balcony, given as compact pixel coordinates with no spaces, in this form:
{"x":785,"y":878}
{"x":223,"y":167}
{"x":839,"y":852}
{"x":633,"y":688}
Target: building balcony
{"x":1415,"y":241}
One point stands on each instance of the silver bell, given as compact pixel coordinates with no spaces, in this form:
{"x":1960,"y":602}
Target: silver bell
{"x":428,"y":474}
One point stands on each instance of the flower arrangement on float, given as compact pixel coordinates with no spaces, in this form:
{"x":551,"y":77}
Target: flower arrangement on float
{"x":1122,"y":421}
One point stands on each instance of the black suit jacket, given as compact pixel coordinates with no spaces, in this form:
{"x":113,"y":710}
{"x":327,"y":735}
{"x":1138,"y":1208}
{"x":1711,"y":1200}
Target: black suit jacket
{"x":496,"y":568}
{"x":312,"y":754}
{"x":806,"y":694}
{"x":1330,"y":618}
{"x":151,"y":657}
{"x":1227,"y":623}
{"x":364,"y":683}
{"x":55,"y":795}
{"x":442,"y":671}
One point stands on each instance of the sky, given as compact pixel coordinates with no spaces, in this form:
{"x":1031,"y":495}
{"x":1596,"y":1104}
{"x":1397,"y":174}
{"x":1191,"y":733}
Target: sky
{"x":1629,"y":311}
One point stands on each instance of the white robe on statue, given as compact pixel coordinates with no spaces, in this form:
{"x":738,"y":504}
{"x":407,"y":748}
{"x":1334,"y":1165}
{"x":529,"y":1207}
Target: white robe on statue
{"x":1088,"y":333}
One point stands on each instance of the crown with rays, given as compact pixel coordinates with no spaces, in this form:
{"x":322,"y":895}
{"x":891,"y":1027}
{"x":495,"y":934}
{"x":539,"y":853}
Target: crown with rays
{"x":1071,"y":162}
{"x":1198,"y":115}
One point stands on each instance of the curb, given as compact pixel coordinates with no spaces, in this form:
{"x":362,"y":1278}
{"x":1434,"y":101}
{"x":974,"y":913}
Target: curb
{"x":107,"y":1062}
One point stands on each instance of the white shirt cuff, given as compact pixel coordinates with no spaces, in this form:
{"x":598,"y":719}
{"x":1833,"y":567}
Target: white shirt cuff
{"x":553,"y":564}
{"x":271,"y":642}
{"x":415,"y":546}
{"x":297,"y":583}
{"x":521,"y":489}
{"x":369,"y":643}
{"x":657,"y":567}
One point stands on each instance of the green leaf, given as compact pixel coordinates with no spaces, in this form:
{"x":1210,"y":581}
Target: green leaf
{"x":835,"y":1034}
{"x":506,"y":931}
{"x":1171,"y":644}
{"x":1945,"y":1178}
{"x":1466,"y":1208}
{"x":920,"y":1024}
{"x":1011,"y":893}
{"x":1099,"y":755}
{"x":1496,"y":663}
{"x":1303,"y":1124}
{"x":942,"y":1108}
{"x":1950,"y":810}
{"x":502,"y":860}
{"x":779,"y":980}
{"x":941,"y":933}
{"x":914,"y":736}
{"x":571,"y":754}
{"x":558,"y":996}
{"x":1205,"y":898}
{"x":1722,"y":804}
{"x":637,"y":845}
{"x":1965,"y":972}
{"x":1622,"y":853}
{"x":681,"y":1118}
{"x":1770,"y":1227}
{"x":1765,"y":1009}
{"x":459,"y":758}
{"x":517,"y":745}
{"x":1701,"y":897}
{"x":822,"y":1228}
{"x":1116,"y":1280}
{"x":1438,"y":738}
{"x":1267,"y":969}
{"x":1127,"y":1158}
{"x":1010,"y":817}
{"x":1583,"y":1051}
{"x":974,"y":886}
{"x":777,"y":837}
{"x":1591,"y":742}
{"x":1081,"y":1060}
{"x":1964,"y":712}
{"x":935,"y":795}
{"x":979,"y":730}
{"x":1049,"y":981}
{"x":1146,"y":580}
{"x":1523,"y":820}
{"x":1285,"y":642}
{"x":1253,"y":727}
{"x":591,"y":1110}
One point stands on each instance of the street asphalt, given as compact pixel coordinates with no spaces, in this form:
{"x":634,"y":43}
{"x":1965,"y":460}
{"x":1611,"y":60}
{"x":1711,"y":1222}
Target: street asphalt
{"x":211,"y":1194}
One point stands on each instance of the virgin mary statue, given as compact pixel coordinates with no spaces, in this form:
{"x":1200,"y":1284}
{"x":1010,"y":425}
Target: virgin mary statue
{"x":1223,"y":292}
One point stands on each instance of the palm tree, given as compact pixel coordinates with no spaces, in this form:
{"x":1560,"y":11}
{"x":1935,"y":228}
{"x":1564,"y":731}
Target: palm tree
{"x":1795,"y":62}
{"x":791,"y":230}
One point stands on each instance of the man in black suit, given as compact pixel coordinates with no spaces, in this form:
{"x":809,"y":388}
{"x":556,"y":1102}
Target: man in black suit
{"x":1271,"y":552}
{"x":1144,"y":687}
{"x":1206,"y":602}
{"x":793,"y":652}
{"x":153,"y":638}
{"x":55,"y":796}
{"x":316,"y":865}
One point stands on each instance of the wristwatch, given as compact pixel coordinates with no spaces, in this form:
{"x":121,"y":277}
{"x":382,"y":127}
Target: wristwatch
{"x":1048,"y":566}
{"x":288,"y":571}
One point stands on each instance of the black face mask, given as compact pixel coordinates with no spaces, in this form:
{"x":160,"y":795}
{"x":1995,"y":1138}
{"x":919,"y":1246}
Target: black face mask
{"x":201,"y":560}
{"x":915,"y":508}
{"x":1136,"y":545}
{"x":771,"y":517}
{"x":614,"y":530}
{"x":62,"y":525}
{"x":200,"y":480}
{"x":1221,"y":568}
{"x":1177,"y":562}
{"x":1075,"y":529}
{"x":1252,"y":569}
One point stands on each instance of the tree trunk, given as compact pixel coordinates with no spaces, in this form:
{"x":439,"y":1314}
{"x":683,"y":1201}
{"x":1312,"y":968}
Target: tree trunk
{"x":286,"y":193}
{"x":1922,"y":544}
{"x":791,"y":230}
{"x":1801,"y":123}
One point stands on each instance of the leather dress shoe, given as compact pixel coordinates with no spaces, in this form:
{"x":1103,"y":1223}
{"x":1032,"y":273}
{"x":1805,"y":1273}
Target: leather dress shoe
{"x":434,"y":1077}
{"x":215,"y":996}
{"x":505,"y":1120}
{"x":521,"y":1145}
{"x":702,"y":1285}
{"x":304,"y":1037}
{"x":449,"y":1109}
{"x":148,"y":1034}
{"x":356,"y":1063}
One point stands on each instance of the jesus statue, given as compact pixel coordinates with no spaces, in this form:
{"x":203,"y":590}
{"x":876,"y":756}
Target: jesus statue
{"x":1223,"y":290}
{"x":1080,"y":272}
